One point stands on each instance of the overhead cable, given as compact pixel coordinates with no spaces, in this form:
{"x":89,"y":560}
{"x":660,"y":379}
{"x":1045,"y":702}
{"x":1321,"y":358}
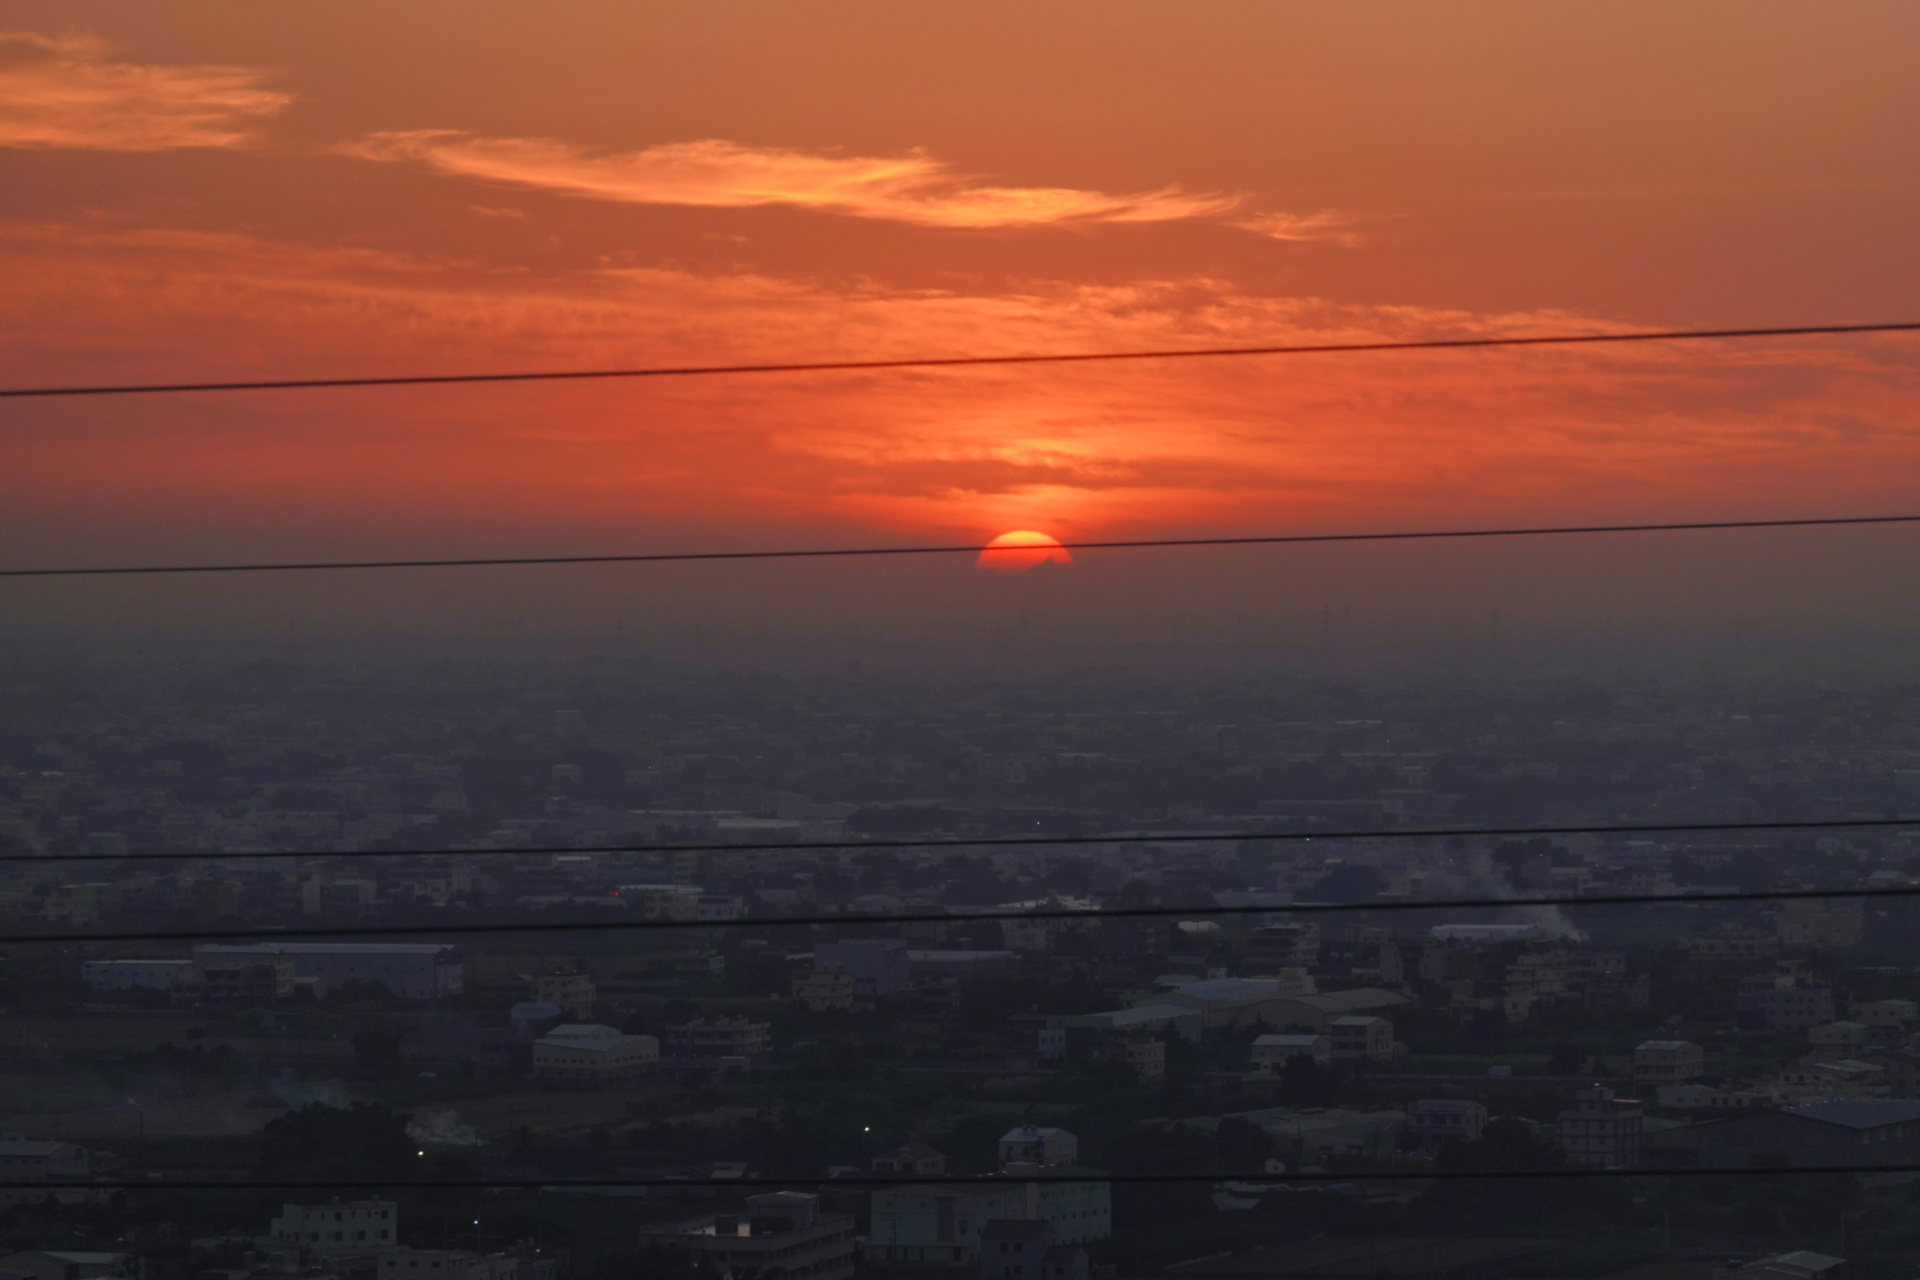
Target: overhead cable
{"x":950,"y":362}
{"x":275,"y":933}
{"x":1277,"y":1181}
{"x":966,"y":842}
{"x":825,"y":553}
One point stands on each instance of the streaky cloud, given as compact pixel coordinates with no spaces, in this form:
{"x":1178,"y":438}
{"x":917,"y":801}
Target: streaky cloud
{"x":912,"y":188}
{"x":60,"y":93}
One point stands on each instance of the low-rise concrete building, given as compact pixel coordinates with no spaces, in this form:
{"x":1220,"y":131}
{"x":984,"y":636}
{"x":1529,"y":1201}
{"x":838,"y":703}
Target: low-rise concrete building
{"x":1658,"y":1062}
{"x":1432,"y":1123}
{"x":732,"y":1043}
{"x":103,"y":976}
{"x":1271,"y":1053}
{"x":1361,"y":1038}
{"x":590,"y":1053}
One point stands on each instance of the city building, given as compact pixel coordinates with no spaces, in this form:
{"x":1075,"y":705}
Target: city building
{"x":730,"y":1043}
{"x":42,"y":1160}
{"x":1361,"y":1038}
{"x":1602,"y":1130}
{"x":1038,"y":1147}
{"x":410,"y":970}
{"x":1828,"y":1132}
{"x":913,"y":1158}
{"x":590,"y":1053}
{"x":235,"y":975}
{"x":132,"y":975}
{"x":1024,"y":1249}
{"x":824,"y":989}
{"x":879,"y":966}
{"x":1770,"y":1003}
{"x":1434,"y":1122}
{"x":1663,"y":1062}
{"x":575,"y":993}
{"x":781,"y":1233}
{"x":1271,"y":1053}
{"x":461,"y":1264}
{"x":341,"y":1227}
{"x":67,"y":1264}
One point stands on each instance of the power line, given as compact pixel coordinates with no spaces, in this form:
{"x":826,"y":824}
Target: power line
{"x":949,"y":362}
{"x":274,"y":933}
{"x":820,"y":553}
{"x":1563,"y":1172}
{"x":963,"y":842}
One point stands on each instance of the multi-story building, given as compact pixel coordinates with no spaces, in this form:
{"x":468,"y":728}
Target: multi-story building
{"x":410,"y":970}
{"x":589,"y":1053}
{"x":460,"y":1264}
{"x":132,"y":975}
{"x":1434,"y":1122}
{"x":1658,"y":1062}
{"x":1361,"y":1038}
{"x":724,"y":1042}
{"x":342,"y":1227}
{"x":824,"y":989}
{"x":878,"y":965}
{"x":1271,"y":1053}
{"x":1786,"y":1003}
{"x":32,"y":1160}
{"x":781,"y":1232}
{"x":1024,"y":1249}
{"x":944,"y":1225}
{"x":575,"y":993}
{"x":230,"y":975}
{"x":1886,"y":1015}
{"x":1038,"y":1146}
{"x":914,"y":1157}
{"x":661,"y":901}
{"x":1602,"y":1130}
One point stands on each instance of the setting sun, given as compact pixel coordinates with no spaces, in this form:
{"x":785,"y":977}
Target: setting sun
{"x":1021,"y":550}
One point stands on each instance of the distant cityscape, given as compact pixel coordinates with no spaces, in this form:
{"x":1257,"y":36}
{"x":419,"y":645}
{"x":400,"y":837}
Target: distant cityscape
{"x":731,"y":1093}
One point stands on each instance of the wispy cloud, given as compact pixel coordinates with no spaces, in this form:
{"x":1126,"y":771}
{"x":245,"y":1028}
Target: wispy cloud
{"x":61,"y":93}
{"x":1328,"y":224}
{"x":913,"y":188}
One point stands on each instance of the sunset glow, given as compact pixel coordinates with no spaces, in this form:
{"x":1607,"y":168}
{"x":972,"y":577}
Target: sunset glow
{"x":211,"y":199}
{"x":1021,"y":550}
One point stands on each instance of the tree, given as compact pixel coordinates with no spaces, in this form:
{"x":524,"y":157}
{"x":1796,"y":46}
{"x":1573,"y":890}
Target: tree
{"x":365,"y":1140}
{"x":377,"y":1051}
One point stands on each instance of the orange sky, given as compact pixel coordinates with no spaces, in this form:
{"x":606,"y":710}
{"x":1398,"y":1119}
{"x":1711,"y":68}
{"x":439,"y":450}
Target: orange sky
{"x":203,"y":190}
